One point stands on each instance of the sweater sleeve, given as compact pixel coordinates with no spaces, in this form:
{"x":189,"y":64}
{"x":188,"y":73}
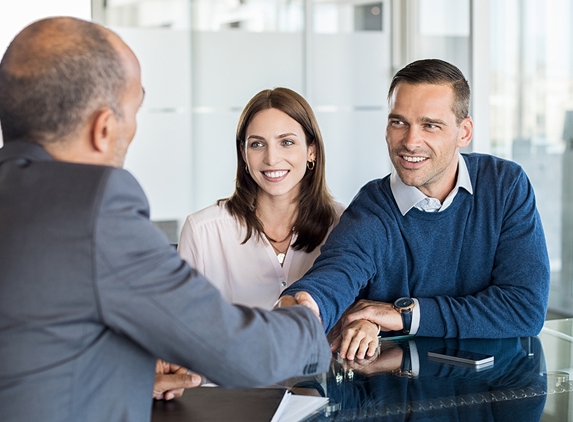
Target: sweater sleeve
{"x":515,"y":302}
{"x":346,"y":263}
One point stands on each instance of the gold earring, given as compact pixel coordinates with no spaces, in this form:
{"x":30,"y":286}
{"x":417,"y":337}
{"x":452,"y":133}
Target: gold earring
{"x":311,"y":164}
{"x":247,"y":168}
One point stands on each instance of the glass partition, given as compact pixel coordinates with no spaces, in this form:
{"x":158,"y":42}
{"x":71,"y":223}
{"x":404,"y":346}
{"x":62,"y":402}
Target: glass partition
{"x":202,"y":61}
{"x":531,"y":102}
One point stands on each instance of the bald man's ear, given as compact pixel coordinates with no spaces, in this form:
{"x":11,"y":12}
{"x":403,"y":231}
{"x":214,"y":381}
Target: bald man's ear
{"x":104,"y":130}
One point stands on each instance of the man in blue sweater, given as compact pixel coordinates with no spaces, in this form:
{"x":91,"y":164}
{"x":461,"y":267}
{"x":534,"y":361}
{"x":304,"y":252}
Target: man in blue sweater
{"x":448,"y":245}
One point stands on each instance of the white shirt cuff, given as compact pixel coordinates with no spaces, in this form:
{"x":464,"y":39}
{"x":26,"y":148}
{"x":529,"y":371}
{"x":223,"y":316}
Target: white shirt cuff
{"x":415,"y":317}
{"x":414,"y":358}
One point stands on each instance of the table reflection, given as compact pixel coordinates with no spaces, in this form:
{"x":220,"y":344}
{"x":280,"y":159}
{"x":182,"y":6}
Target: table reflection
{"x":401,"y":383}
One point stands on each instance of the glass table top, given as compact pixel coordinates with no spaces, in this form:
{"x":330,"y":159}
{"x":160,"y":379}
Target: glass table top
{"x":528,"y":381}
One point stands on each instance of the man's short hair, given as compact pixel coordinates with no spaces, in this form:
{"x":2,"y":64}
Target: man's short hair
{"x":437,"y":72}
{"x":48,"y":89}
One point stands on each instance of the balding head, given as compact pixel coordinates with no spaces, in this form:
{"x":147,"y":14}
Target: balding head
{"x":56,"y":74}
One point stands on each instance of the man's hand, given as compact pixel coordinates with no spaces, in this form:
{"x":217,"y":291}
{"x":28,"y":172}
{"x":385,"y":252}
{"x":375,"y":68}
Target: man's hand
{"x":301,"y":298}
{"x":171,"y":380}
{"x":359,"y":339}
{"x":381,"y":313}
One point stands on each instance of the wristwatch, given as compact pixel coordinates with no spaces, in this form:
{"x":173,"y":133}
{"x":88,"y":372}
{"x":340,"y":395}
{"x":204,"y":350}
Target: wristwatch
{"x":405,"y":369}
{"x":404,"y":305}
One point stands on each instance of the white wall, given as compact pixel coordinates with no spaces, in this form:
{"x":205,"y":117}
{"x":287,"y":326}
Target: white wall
{"x":160,"y":155}
{"x":17,"y":14}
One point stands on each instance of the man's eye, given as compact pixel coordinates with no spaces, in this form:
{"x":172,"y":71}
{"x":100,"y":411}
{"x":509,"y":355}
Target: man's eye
{"x":396,"y":122}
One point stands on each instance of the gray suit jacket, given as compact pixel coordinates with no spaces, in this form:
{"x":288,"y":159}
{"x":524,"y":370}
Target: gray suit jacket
{"x":91,"y":293}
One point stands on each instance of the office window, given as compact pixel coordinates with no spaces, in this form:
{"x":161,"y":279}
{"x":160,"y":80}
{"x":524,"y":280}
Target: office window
{"x":202,"y":60}
{"x":438,"y":29}
{"x":531,"y":103}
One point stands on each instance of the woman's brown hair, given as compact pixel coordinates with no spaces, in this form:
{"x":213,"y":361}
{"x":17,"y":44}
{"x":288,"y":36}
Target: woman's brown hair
{"x":316,"y":211}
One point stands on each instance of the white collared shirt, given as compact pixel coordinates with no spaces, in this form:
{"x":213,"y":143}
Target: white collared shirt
{"x":408,"y":197}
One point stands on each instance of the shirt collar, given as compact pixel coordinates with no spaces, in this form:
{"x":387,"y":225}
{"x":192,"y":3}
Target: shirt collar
{"x":408,"y":196}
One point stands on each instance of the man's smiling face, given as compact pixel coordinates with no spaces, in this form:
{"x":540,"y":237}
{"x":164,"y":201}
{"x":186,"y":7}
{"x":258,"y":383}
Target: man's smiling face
{"x":423,"y":137}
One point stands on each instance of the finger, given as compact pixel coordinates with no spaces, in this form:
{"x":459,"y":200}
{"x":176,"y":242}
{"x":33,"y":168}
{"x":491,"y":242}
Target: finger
{"x":168,"y":382}
{"x":372,"y":346}
{"x":362,"y":348}
{"x":177,"y":369}
{"x":358,"y":314}
{"x":162,"y":367}
{"x":172,"y":394}
{"x":285,"y":301}
{"x":347,"y":338}
{"x":354,"y":346}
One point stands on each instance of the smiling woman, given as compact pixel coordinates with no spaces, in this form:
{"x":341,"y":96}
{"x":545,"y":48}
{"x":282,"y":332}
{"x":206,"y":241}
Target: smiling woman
{"x":263,"y":238}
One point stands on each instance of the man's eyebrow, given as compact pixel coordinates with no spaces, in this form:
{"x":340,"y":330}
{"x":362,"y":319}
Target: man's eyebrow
{"x":396,"y":116}
{"x":432,"y":121}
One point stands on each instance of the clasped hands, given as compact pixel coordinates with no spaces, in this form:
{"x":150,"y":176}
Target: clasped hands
{"x":356,"y":333}
{"x":171,"y":380}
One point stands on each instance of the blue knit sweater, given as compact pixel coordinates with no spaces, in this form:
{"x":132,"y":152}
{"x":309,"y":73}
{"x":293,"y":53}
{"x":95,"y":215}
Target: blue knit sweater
{"x":479,"y":268}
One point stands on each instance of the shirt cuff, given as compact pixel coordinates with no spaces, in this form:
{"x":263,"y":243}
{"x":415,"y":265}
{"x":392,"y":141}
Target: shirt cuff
{"x":414,"y":358}
{"x":415,"y":317}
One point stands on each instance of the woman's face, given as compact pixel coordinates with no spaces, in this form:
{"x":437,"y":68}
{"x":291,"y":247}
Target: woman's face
{"x":276,"y":153}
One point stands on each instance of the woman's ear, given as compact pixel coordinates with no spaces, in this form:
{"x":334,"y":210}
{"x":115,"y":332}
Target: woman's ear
{"x":312,"y":152}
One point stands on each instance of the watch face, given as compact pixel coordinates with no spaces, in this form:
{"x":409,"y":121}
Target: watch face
{"x":404,"y":302}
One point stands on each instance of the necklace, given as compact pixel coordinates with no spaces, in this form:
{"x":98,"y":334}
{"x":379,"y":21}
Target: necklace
{"x":281,"y":255}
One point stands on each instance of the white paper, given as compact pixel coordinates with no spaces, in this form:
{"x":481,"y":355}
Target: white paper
{"x":298,"y":407}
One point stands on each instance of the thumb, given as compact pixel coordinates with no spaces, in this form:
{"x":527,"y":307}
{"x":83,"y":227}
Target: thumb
{"x":164,"y":382}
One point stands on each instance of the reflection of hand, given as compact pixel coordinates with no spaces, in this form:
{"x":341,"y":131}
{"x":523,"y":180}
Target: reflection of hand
{"x":388,"y":359}
{"x":380,"y":313}
{"x":300,"y":298}
{"x":359,"y":339}
{"x":171,"y":380}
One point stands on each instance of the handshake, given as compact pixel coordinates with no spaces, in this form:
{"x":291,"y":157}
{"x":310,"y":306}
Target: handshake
{"x":301,"y":298}
{"x":354,"y":336}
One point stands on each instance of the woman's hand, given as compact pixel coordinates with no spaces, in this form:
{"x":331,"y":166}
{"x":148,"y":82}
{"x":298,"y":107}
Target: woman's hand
{"x":358,"y":339}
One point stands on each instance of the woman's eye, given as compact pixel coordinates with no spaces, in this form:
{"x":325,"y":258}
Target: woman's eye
{"x":287,"y":142}
{"x":256,"y":144}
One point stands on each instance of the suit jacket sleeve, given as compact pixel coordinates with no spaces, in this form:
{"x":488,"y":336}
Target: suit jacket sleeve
{"x":147,"y":293}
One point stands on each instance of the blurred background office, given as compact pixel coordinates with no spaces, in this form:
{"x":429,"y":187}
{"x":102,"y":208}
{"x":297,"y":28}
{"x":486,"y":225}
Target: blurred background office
{"x":203,"y":59}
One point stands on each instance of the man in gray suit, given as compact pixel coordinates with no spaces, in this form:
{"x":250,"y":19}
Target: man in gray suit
{"x":90,"y":292}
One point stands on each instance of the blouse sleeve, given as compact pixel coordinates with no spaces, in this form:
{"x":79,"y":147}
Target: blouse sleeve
{"x":187,"y":246}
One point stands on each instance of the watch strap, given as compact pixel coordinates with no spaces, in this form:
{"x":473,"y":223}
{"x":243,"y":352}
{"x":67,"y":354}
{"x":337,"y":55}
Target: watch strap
{"x":407,"y":320}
